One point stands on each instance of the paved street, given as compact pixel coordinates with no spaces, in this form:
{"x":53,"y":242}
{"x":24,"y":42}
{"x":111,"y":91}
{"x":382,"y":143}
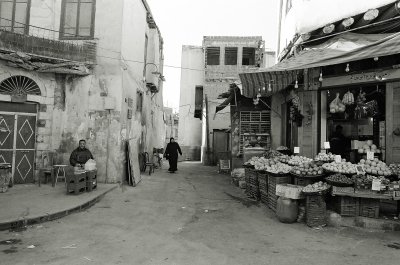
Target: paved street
{"x":192,"y":217}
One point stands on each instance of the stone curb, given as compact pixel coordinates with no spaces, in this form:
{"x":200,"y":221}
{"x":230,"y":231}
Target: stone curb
{"x":21,"y":223}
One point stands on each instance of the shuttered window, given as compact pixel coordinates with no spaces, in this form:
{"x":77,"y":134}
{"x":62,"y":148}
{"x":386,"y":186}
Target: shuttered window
{"x":231,"y":54}
{"x":249,"y":56}
{"x":213,"y":54}
{"x":14,"y":15}
{"x":77,"y":19}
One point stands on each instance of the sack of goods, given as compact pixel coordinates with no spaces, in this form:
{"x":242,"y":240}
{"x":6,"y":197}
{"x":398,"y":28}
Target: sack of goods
{"x":336,"y":105}
{"x":90,"y":165}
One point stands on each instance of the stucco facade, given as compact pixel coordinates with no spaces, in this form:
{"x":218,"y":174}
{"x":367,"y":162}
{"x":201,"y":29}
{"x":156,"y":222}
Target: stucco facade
{"x":101,"y":107}
{"x":189,"y":126}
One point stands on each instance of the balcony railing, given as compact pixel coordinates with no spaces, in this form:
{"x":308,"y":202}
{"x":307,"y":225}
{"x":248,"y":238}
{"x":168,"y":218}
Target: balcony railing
{"x":85,"y":51}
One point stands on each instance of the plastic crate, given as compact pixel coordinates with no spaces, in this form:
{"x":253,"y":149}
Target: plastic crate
{"x":253,"y":191}
{"x":76,"y":183}
{"x":346,"y":206}
{"x":264,"y":197}
{"x":369,"y":208}
{"x":263,"y":182}
{"x":91,"y":180}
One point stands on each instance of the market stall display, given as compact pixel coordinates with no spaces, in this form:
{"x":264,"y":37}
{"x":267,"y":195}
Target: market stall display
{"x":278,"y":168}
{"x":395,"y":168}
{"x":340,"y":180}
{"x":375,"y":167}
{"x":342,"y":167}
{"x":284,"y":159}
{"x":323,"y":157}
{"x":369,"y":147}
{"x":316,"y":188}
{"x":299,"y":160}
{"x":307,"y":169}
{"x":272,"y":154}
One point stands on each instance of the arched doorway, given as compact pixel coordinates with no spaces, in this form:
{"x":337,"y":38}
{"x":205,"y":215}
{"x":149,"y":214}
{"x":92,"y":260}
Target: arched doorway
{"x":18,"y":127}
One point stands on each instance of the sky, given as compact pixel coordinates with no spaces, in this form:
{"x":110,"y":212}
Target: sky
{"x":185,"y":22}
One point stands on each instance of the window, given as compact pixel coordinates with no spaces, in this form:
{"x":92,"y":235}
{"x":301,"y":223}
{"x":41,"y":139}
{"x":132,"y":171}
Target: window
{"x":289,"y":5}
{"x":77,"y":19}
{"x":139,"y":101}
{"x":14,"y":15}
{"x":249,"y":56}
{"x":231,"y":55}
{"x":213,"y":55}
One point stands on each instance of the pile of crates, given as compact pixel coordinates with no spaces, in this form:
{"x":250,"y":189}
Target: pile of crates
{"x":351,"y":207}
{"x":273,"y":180}
{"x":252,"y":188}
{"x":79,"y":182}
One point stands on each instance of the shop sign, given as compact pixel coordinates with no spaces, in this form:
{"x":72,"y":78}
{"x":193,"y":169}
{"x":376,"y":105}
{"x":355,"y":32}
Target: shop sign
{"x":370,"y":155}
{"x":338,"y":159}
{"x":375,"y":76}
{"x":296,"y":150}
{"x":327,"y":145}
{"x":376,"y":184}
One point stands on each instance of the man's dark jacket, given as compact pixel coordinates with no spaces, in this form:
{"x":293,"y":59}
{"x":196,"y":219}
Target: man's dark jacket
{"x":80,"y":156}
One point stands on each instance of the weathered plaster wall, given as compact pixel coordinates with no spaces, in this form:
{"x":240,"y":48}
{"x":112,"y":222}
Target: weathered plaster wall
{"x":189,"y":126}
{"x":147,"y":126}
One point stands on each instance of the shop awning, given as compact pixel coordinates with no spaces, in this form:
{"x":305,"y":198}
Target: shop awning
{"x":344,"y":48}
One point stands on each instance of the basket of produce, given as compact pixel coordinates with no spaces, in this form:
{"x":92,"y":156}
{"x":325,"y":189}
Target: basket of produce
{"x":376,"y":167}
{"x":284,"y":159}
{"x":262,"y":163}
{"x":299,"y":160}
{"x":323,"y":158}
{"x":319,"y":188}
{"x":308,"y":170}
{"x":284,"y":150}
{"x":343,"y":167}
{"x":278,"y":169}
{"x":339,"y":180}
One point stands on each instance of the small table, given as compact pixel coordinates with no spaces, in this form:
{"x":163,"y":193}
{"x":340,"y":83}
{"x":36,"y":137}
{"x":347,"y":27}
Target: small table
{"x":57,"y":169}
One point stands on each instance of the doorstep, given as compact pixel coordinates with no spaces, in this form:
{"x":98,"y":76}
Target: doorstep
{"x":29,"y":204}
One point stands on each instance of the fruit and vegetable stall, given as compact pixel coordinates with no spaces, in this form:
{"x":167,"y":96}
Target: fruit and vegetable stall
{"x":303,"y":189}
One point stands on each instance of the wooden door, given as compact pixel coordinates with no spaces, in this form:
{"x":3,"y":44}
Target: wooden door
{"x":7,"y":123}
{"x":392,"y":122}
{"x":220,"y":144}
{"x":17,"y":144}
{"x":25,"y":148}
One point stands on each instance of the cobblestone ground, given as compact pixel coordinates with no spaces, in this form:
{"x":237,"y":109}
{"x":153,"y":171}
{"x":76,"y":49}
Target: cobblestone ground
{"x":192,"y":217}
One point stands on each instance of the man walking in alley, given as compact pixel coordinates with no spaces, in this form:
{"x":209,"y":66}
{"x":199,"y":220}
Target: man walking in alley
{"x":171,"y":154}
{"x":80,"y":155}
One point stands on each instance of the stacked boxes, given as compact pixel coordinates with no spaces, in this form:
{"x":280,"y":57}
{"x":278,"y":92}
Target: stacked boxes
{"x":91,"y":180}
{"x":76,"y":182}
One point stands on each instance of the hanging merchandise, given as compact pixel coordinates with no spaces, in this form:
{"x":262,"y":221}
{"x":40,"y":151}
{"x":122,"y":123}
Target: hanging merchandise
{"x":336,"y":105}
{"x":361,"y":98}
{"x":348,"y":99}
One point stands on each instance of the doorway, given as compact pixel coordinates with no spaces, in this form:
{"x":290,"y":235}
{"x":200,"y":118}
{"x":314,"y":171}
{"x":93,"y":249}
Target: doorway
{"x":18,"y":138}
{"x":220,"y":145}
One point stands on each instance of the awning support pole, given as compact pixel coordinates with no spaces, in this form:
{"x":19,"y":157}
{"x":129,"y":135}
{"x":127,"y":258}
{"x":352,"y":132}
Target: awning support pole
{"x":279,"y":115}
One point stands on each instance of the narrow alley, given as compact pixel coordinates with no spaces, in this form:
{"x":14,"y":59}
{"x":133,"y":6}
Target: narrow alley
{"x":195,"y":216}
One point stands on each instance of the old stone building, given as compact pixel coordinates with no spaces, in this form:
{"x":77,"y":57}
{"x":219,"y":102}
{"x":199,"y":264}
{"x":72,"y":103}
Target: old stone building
{"x":73,"y":70}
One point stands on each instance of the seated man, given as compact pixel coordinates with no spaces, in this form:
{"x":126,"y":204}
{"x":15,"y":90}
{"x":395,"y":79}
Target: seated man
{"x":80,"y":155}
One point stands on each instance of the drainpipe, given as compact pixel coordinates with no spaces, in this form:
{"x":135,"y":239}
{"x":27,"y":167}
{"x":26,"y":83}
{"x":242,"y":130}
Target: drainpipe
{"x":279,"y":29}
{"x":108,"y":143}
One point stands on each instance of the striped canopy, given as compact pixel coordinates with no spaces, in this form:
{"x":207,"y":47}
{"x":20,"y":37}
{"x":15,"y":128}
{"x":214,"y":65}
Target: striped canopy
{"x":343,"y":48}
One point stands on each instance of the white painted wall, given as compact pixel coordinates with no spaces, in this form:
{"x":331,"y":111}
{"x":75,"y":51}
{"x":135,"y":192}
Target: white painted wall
{"x":190,"y":127}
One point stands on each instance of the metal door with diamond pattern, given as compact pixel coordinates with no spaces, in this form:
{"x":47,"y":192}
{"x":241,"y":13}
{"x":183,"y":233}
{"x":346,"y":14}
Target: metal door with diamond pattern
{"x":17,"y":144}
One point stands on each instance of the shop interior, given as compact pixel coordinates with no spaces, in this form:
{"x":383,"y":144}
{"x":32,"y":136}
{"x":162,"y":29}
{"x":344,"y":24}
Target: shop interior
{"x":353,"y":121}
